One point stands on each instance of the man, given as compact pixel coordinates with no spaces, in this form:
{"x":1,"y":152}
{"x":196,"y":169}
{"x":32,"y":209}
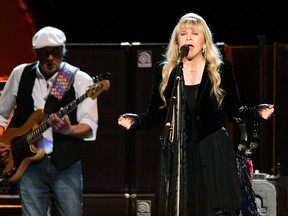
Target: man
{"x":48,"y":84}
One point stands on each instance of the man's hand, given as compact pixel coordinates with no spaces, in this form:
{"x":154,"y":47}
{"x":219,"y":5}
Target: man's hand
{"x":62,"y":126}
{"x":4,"y":152}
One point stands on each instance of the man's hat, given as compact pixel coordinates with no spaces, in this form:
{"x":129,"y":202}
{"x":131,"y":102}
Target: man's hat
{"x":48,"y":36}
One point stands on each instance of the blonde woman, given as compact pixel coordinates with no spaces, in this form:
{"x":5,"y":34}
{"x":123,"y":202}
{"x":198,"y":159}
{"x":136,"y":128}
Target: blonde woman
{"x":198,"y":171}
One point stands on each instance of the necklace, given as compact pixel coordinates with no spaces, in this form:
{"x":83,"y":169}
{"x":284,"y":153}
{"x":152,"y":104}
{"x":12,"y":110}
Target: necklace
{"x":195,"y":69}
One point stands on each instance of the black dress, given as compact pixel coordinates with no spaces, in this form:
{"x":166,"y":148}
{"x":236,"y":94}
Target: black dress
{"x":211,"y":166}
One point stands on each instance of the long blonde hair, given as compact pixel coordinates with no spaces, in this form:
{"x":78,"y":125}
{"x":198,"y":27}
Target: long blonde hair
{"x":212,"y":55}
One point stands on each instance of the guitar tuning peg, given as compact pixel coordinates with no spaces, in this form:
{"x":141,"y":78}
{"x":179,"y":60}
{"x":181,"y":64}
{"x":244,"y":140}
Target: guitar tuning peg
{"x":95,"y":79}
{"x":108,"y":75}
{"x":105,"y":75}
{"x":102,"y":76}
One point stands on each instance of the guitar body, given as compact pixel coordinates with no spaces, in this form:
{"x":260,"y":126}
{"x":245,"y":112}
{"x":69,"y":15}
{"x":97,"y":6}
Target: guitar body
{"x":22,"y":153}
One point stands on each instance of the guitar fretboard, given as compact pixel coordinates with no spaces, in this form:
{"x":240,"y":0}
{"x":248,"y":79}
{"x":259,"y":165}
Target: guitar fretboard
{"x":36,"y":133}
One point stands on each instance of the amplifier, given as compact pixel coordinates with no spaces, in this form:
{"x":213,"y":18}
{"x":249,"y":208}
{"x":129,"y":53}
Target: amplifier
{"x":120,"y":204}
{"x":271,"y":195}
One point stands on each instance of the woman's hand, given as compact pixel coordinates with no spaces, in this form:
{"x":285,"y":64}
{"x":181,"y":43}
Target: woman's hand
{"x":128,"y":121}
{"x":266,"y":110}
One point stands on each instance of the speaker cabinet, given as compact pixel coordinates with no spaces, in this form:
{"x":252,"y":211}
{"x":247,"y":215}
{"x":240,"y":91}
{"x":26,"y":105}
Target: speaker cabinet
{"x":122,"y":204}
{"x":271,"y":196}
{"x":119,"y":160}
{"x":104,"y":167}
{"x":106,"y":204}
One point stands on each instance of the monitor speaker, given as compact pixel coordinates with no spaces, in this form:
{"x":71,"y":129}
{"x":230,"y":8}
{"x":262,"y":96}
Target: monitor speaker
{"x":271,"y":196}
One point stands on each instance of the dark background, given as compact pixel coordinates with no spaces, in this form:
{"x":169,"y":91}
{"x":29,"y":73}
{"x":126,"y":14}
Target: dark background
{"x":94,"y":21}
{"x":96,"y":25}
{"x":120,"y":168}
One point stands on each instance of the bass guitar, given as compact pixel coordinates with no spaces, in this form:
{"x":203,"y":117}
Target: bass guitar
{"x":23,"y":140}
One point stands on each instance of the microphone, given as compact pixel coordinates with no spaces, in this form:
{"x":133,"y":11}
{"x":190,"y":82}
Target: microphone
{"x":183,"y":52}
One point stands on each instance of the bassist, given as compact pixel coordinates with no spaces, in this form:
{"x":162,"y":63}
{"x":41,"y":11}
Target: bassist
{"x":47,"y":85}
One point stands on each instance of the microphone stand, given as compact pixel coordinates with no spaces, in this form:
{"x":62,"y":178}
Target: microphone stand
{"x":168,"y":128}
{"x":179,"y":112}
{"x":173,"y":124}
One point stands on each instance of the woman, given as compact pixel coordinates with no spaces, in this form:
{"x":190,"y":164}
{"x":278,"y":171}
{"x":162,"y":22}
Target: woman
{"x":198,"y":171}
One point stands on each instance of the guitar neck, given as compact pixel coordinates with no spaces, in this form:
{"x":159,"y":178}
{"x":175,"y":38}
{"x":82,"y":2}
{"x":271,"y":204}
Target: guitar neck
{"x":36,"y":133}
{"x":71,"y":106}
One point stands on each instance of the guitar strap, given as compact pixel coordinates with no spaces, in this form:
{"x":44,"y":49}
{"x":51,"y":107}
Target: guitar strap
{"x":60,"y":86}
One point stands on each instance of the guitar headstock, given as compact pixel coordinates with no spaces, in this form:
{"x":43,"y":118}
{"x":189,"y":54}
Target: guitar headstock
{"x":103,"y":76}
{"x":101,"y":83}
